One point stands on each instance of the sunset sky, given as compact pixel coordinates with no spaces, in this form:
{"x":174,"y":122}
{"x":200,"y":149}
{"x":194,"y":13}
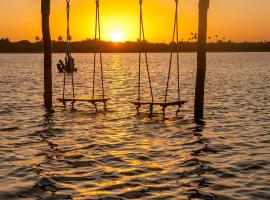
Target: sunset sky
{"x":237,"y":20}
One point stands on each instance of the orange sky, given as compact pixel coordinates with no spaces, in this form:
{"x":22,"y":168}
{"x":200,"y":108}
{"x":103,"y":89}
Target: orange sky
{"x":238,"y":20}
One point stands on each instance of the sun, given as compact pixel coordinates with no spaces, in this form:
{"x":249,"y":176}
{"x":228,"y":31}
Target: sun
{"x":117,"y":36}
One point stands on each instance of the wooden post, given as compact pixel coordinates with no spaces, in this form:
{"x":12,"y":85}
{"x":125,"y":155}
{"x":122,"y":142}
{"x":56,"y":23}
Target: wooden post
{"x":201,"y":60}
{"x":45,"y":10}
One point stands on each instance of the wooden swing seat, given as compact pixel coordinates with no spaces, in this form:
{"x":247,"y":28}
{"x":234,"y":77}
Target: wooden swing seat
{"x":162,"y":104}
{"x":86,"y":99}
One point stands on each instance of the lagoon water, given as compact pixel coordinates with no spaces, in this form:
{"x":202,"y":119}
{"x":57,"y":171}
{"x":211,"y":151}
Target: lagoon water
{"x":118,"y":155}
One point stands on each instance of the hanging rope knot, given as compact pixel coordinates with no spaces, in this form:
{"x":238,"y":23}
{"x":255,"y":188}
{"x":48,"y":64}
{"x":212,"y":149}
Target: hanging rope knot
{"x":97,"y":3}
{"x":141,"y":1}
{"x":68,"y":3}
{"x":176,"y":2}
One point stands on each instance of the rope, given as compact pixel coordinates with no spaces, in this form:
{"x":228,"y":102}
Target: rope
{"x":142,"y":36}
{"x":177,"y":51}
{"x":98,"y":32}
{"x":100,"y":57}
{"x":174,"y":47}
{"x":95,"y":41}
{"x":67,"y":45}
{"x":68,"y":60}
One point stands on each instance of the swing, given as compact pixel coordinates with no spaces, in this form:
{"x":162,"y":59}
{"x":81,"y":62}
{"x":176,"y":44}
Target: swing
{"x":93,"y":100}
{"x":174,"y":44}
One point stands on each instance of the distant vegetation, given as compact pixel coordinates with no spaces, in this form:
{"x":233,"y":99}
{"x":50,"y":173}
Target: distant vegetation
{"x":87,"y":46}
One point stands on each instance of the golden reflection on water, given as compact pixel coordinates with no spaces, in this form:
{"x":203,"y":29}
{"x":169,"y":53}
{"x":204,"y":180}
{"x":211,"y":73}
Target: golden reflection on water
{"x":88,"y":155}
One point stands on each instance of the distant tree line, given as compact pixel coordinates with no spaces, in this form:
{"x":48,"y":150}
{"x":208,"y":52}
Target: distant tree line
{"x":87,"y":46}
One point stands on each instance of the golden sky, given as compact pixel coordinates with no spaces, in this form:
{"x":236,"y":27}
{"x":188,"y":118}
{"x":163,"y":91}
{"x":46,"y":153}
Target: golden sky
{"x":237,"y":20}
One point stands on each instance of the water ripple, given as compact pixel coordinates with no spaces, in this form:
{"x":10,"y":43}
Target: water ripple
{"x":119,"y":155}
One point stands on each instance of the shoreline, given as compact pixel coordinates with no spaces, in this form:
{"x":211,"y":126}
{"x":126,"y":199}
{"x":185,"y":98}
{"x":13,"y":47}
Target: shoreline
{"x":88,"y":46}
{"x":154,"y":52}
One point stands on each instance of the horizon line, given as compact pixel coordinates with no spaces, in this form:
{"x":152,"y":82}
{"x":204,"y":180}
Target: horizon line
{"x":134,"y":41}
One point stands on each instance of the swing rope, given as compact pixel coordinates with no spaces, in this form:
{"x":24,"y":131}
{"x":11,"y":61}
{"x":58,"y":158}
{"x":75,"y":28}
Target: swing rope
{"x":174,"y":47}
{"x":68,"y":58}
{"x":142,"y":37}
{"x":98,"y":40}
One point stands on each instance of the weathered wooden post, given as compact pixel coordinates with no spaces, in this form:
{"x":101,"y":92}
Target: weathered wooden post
{"x":201,"y":60}
{"x":45,"y":10}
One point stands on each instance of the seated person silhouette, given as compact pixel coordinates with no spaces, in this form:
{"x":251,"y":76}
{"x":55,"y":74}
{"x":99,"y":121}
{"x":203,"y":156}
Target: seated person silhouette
{"x":68,"y":67}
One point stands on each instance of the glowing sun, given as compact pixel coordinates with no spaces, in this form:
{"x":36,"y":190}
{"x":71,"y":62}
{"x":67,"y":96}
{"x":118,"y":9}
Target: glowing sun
{"x":117,"y":36}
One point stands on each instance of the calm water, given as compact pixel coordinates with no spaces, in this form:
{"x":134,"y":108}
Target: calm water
{"x":118,"y":155}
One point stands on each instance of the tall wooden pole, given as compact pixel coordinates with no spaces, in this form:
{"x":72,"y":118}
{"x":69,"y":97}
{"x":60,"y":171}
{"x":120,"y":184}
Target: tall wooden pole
{"x":45,"y":10}
{"x":201,"y":60}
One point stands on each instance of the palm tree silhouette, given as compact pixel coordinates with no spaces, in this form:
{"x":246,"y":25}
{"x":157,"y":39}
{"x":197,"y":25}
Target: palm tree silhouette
{"x":60,"y":38}
{"x":192,"y":36}
{"x":216,"y":38}
{"x":195,"y":37}
{"x":37,"y":39}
